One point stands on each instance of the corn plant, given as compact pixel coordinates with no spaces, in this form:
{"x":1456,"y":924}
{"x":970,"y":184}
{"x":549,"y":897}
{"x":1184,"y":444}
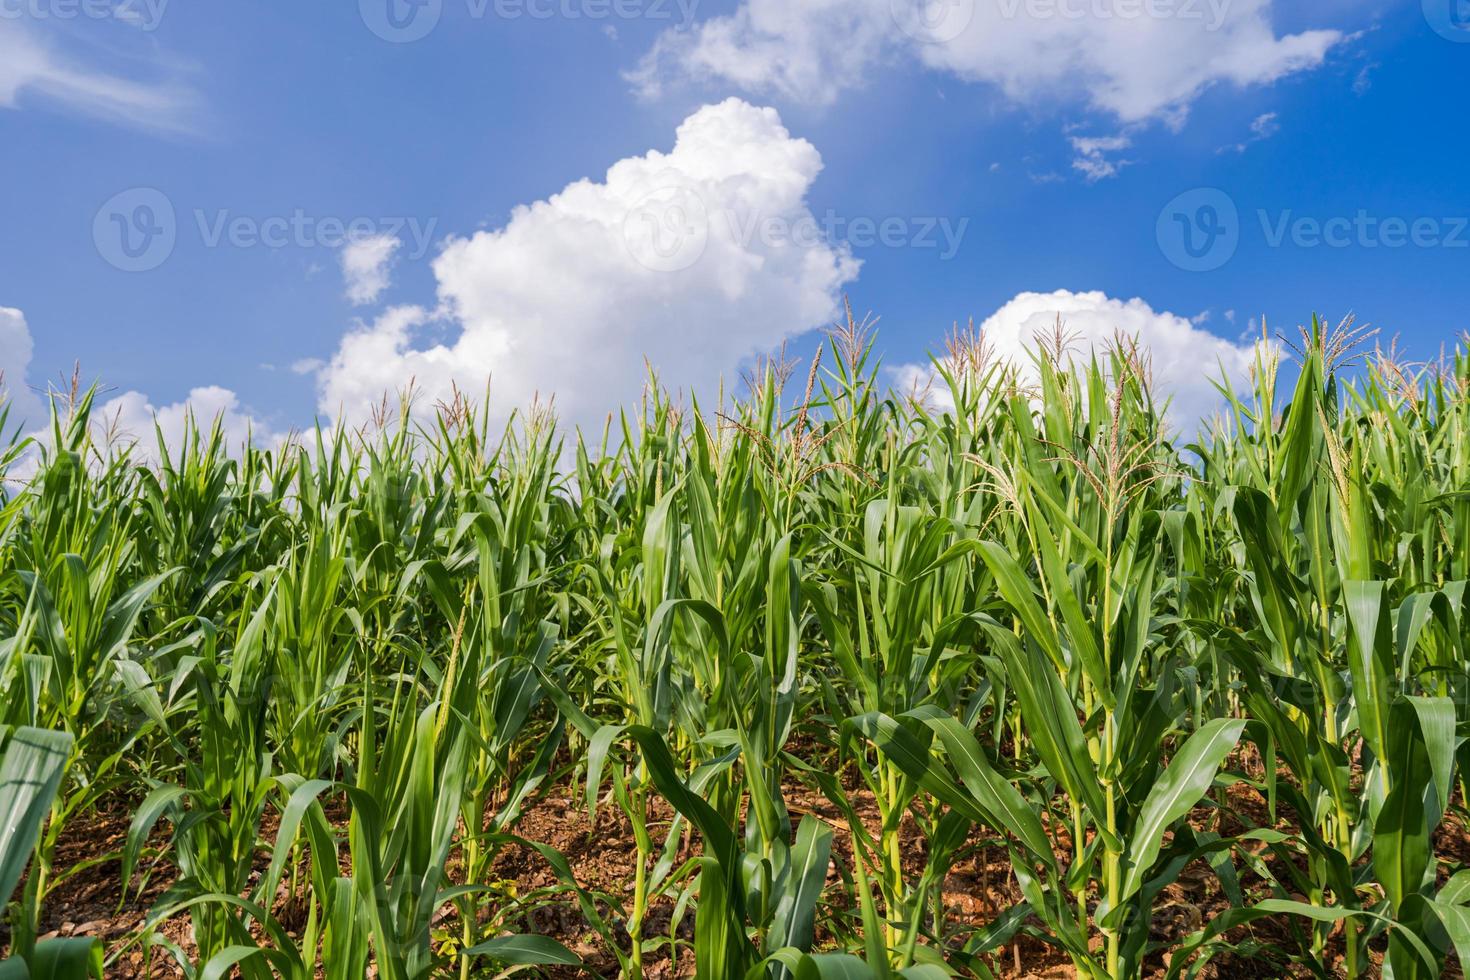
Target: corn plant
{"x":31,"y":769}
{"x":815,"y":641}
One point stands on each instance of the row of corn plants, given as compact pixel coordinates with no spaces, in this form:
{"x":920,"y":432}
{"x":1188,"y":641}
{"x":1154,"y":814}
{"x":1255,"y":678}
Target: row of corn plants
{"x":814,"y":649}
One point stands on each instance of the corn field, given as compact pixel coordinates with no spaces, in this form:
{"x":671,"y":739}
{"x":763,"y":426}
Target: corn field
{"x":857,"y":686}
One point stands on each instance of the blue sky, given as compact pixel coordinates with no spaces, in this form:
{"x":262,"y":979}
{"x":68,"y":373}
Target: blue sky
{"x":1313,"y":153}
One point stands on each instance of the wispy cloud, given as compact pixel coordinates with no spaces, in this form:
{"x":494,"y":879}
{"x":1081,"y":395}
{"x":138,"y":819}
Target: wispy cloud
{"x":1095,"y":158}
{"x":39,"y":68}
{"x":1263,"y":127}
{"x":1363,"y":81}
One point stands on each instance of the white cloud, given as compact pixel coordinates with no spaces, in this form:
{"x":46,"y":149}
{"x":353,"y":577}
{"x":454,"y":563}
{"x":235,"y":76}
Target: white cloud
{"x":307,"y":365}
{"x":365,"y":265}
{"x":32,"y":66}
{"x":1185,"y":359}
{"x":129,"y":419}
{"x":1364,"y":79}
{"x":1094,"y":160}
{"x":804,"y":50}
{"x":1135,"y":68}
{"x":122,"y":421}
{"x":16,"y":349}
{"x":1109,"y":56}
{"x":658,"y":258}
{"x":1263,"y":127}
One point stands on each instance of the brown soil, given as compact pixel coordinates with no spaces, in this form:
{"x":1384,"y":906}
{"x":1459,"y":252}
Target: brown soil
{"x":980,"y":886}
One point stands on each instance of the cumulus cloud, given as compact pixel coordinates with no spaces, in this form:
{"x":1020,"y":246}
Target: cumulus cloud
{"x":1185,"y":358}
{"x":129,"y":420}
{"x":365,"y":265}
{"x":660,"y":258}
{"x":1136,"y":62}
{"x":121,"y":422}
{"x":16,"y":349}
{"x":810,"y":50}
{"x":32,"y":65}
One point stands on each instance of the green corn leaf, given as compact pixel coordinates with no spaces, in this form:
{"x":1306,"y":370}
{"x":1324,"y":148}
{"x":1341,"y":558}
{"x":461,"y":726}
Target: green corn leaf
{"x":525,"y":951}
{"x":1007,"y":809}
{"x":1051,"y":722}
{"x":1188,"y":777}
{"x":1401,"y":839}
{"x":71,"y":958}
{"x":912,"y":757}
{"x":154,"y":805}
{"x":1372,"y":661}
{"x":30,"y":773}
{"x":1456,"y":922}
{"x":1437,"y":724}
{"x":597,"y":750}
{"x":794,"y":922}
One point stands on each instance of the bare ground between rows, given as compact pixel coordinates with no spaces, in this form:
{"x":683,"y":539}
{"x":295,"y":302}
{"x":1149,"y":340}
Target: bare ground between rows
{"x":91,"y":902}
